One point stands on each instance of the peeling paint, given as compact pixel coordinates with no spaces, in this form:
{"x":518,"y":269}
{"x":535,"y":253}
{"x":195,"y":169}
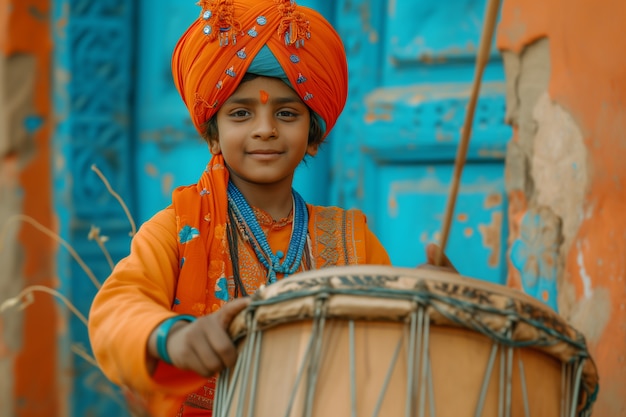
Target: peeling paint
{"x":491,"y":235}
{"x":535,"y":254}
{"x":374,"y":117}
{"x":559,"y":164}
{"x":493,"y":200}
{"x":578,"y":161}
{"x":584,"y":276}
{"x":151,"y":170}
{"x":167,"y":184}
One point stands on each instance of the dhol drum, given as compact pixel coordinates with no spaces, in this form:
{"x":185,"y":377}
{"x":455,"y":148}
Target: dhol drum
{"x":385,"y":341}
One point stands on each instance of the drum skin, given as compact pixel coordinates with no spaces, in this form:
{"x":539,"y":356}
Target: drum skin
{"x":358,"y":323}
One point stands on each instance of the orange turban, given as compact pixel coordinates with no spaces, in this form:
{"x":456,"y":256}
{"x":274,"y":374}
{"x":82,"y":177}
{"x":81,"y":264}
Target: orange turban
{"x":215,"y":52}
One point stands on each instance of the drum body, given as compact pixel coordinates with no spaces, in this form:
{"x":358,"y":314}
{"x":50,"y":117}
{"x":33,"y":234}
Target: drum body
{"x":383,"y":341}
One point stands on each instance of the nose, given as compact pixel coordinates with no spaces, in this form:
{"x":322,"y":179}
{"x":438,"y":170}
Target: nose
{"x":264,"y":128}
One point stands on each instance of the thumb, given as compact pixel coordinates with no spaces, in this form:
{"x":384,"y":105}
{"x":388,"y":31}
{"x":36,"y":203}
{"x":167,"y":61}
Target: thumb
{"x":230,"y":310}
{"x":432,"y":252}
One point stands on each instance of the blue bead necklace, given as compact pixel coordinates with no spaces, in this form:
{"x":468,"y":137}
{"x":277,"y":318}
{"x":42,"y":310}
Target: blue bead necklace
{"x":251,"y":229}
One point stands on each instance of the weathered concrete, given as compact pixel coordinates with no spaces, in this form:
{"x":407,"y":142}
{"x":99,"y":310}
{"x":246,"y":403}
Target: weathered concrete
{"x":527,"y":76}
{"x":574,"y":146}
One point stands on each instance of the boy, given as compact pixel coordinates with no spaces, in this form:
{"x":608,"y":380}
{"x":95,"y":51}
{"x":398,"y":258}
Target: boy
{"x":264,"y":81}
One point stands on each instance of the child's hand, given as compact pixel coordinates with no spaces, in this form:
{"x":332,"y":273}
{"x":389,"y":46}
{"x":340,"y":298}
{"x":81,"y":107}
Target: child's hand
{"x":431,"y":259}
{"x":204,"y":346}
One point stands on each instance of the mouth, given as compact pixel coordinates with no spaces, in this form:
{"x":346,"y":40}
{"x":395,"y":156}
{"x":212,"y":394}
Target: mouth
{"x":264,"y":154}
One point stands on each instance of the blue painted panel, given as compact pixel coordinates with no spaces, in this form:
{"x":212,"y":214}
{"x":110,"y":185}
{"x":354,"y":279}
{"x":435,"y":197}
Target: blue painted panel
{"x":421,"y":122}
{"x":92,"y":99}
{"x":409,"y":211}
{"x":428,"y":41}
{"x":411,"y":67}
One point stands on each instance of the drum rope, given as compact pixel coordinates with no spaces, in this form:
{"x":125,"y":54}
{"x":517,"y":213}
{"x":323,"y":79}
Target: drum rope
{"x":231,"y":390}
{"x":255,"y":373}
{"x":220,"y":390}
{"x":411,"y":360}
{"x":424,"y":365}
{"x":314,"y":362}
{"x":509,"y":380}
{"x":352,"y":367}
{"x":471,"y":308}
{"x":431,"y":390}
{"x":579,"y":374}
{"x":520,"y":363}
{"x":563,"y":390}
{"x":392,"y":365}
{"x":486,"y":380}
{"x":501,"y":390}
{"x":247,"y":361}
{"x":467,"y":314}
{"x":226,"y":387}
{"x":300,"y":374}
{"x":568,"y":391}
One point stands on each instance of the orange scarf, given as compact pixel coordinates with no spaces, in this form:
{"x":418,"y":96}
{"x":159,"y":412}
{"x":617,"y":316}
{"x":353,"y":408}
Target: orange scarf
{"x":201,"y":217}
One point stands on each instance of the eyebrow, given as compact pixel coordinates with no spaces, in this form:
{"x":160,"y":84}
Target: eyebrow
{"x":272,"y":100}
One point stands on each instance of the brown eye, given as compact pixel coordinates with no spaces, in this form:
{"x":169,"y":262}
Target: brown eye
{"x":240,"y":113}
{"x":286,"y":113}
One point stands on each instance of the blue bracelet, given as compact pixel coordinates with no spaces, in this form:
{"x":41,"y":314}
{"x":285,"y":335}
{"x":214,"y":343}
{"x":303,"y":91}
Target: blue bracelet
{"x":163,"y":330}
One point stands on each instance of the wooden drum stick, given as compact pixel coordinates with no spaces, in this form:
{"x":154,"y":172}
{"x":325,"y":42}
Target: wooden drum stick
{"x":491,"y":16}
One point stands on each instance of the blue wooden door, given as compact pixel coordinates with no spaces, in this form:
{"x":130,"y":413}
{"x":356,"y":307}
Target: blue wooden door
{"x":411,"y":67}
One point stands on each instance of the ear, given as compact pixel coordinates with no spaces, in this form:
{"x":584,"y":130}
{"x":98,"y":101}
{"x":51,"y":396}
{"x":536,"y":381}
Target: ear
{"x":312,"y":149}
{"x":214,"y":147}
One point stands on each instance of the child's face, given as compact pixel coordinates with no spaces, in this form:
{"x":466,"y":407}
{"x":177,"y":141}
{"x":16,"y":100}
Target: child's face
{"x":263,"y":132}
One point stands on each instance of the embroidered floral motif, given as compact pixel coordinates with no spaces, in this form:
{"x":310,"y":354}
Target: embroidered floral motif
{"x":221,"y":289}
{"x":187,"y":234}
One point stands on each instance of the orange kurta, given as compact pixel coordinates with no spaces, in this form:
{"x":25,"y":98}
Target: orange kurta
{"x":141,"y":291}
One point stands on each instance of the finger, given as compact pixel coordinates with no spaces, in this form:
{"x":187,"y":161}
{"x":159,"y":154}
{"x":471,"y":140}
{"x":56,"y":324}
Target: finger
{"x":222,"y":347}
{"x":220,"y":340}
{"x":229,"y":311}
{"x":432,"y":252}
{"x":188,"y":349}
{"x":201,"y":361}
{"x":208,"y":345}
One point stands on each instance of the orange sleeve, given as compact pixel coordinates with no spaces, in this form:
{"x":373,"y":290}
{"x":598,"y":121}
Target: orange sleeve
{"x":134,"y":299}
{"x":376,"y":254}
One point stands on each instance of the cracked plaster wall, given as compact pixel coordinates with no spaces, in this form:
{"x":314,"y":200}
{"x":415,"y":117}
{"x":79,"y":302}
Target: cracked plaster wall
{"x":566,"y":74}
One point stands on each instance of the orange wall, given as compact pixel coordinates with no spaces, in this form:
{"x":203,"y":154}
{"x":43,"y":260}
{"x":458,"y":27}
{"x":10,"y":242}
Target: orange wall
{"x":588,"y":80}
{"x":35,"y":366}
